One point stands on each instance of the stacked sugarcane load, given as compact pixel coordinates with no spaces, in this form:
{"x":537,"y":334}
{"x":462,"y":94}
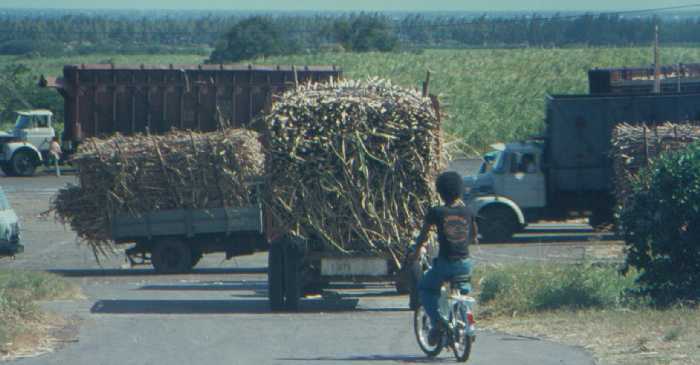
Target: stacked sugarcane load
{"x":352,"y":165}
{"x":635,"y":146}
{"x":142,"y":173}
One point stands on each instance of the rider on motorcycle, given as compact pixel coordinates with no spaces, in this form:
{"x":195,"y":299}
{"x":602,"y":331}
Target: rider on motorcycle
{"x":456,"y":229}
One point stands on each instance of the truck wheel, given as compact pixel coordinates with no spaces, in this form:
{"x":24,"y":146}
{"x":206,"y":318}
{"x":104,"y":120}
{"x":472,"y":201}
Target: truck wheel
{"x":23,"y":163}
{"x":292,"y":276}
{"x":496,"y":223}
{"x":7,"y":169}
{"x":172,"y":256}
{"x":275,"y":276}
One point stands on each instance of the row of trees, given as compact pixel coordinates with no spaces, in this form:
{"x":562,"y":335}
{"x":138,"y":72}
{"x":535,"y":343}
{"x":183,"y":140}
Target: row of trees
{"x":358,"y":32}
{"x":264,"y":36}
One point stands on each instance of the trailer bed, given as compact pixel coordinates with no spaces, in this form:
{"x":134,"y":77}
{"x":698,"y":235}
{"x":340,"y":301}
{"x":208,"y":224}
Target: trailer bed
{"x":187,"y":223}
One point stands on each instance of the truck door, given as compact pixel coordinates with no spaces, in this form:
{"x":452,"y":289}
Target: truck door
{"x":523,"y":180}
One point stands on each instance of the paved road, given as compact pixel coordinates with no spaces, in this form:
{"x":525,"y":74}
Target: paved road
{"x":219,"y":314}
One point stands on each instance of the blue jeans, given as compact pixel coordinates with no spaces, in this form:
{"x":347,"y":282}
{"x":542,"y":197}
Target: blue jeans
{"x":431,"y":282}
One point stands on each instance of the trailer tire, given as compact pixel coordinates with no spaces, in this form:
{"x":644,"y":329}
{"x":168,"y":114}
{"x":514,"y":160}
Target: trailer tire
{"x":171,"y":256}
{"x":292,"y":276}
{"x":275,"y":276}
{"x":196,"y":257}
{"x":496,"y":223}
{"x":23,"y":163}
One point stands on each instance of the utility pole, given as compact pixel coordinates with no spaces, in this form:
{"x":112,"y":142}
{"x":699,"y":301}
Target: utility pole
{"x":657,"y":78}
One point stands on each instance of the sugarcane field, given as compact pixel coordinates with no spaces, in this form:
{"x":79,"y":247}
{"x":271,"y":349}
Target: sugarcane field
{"x":400,"y":182}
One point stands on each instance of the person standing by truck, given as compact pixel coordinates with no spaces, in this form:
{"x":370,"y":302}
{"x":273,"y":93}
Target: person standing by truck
{"x":55,"y":154}
{"x":456,"y":229}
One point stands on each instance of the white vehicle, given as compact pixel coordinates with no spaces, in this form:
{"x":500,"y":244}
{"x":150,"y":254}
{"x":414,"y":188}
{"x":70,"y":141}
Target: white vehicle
{"x":27,"y":145}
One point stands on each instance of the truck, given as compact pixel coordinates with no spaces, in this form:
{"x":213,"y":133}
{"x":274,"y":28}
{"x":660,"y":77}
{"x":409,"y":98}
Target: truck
{"x":26,"y":146}
{"x":103,"y":99}
{"x":567,"y":172}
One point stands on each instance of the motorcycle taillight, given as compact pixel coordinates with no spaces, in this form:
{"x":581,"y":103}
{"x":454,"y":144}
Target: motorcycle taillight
{"x":470,"y":318}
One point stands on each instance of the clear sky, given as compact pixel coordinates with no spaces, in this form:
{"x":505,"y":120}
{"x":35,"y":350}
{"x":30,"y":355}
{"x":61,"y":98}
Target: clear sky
{"x":375,"y":5}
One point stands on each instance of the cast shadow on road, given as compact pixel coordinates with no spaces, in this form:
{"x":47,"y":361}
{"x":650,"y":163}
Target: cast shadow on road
{"x":254,"y":285}
{"x":223,"y":306}
{"x":146,"y":272}
{"x":407,"y":359}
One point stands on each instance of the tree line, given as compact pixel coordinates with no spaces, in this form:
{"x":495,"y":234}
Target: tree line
{"x":83,"y":34}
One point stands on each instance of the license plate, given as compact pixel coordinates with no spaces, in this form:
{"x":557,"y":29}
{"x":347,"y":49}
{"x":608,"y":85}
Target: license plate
{"x":359,"y":266}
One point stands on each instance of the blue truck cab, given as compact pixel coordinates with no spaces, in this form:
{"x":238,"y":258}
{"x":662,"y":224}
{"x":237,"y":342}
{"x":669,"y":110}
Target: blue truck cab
{"x":9,"y":228}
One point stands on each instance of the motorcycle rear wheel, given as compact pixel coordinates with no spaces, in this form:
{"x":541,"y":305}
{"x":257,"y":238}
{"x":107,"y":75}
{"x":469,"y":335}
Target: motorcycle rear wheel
{"x":421,"y":325}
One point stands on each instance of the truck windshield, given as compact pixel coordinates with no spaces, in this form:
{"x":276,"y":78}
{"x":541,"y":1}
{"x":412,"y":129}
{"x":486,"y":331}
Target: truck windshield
{"x":23,"y":122}
{"x":492,"y":161}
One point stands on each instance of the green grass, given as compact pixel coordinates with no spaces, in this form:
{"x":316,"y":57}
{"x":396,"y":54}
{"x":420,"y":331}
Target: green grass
{"x":523,"y":288}
{"x":491,"y":95}
{"x":19,"y":290}
{"x":586,"y":306}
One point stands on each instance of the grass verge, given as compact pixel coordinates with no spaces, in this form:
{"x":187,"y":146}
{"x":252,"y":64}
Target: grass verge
{"x":22,"y":323}
{"x":586,"y":305}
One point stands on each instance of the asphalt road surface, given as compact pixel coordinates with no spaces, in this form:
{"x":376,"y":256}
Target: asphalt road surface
{"x":219,"y":313}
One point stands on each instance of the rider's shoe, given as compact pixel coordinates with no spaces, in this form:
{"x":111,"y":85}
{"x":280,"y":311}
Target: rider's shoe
{"x":434,"y":336}
{"x":435,"y":333}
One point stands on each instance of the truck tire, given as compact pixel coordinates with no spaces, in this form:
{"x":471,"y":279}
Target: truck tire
{"x":23,"y":163}
{"x":171,"y":256}
{"x":292,"y":276}
{"x":496,"y":223}
{"x":275,"y":277}
{"x":7,"y":169}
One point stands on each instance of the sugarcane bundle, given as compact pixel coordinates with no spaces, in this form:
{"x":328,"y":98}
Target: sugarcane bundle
{"x":635,"y":146}
{"x":352,"y":165}
{"x":145,"y":173}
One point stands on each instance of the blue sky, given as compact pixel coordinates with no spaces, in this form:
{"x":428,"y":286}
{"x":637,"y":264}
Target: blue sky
{"x":376,"y":5}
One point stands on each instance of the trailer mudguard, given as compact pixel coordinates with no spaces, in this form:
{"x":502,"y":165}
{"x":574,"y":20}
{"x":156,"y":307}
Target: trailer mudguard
{"x":12,"y":147}
{"x":480,"y":202}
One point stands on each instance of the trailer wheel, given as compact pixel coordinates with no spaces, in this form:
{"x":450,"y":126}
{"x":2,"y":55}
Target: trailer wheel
{"x":496,"y":223}
{"x":196,"y":257}
{"x":23,"y":163}
{"x":171,"y":256}
{"x":292,"y":276}
{"x":275,"y":276}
